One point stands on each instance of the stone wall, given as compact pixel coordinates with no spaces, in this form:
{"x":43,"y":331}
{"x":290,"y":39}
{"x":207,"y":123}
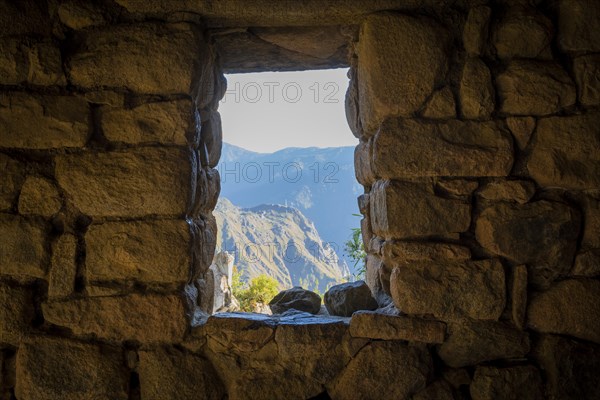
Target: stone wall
{"x":479,"y":153}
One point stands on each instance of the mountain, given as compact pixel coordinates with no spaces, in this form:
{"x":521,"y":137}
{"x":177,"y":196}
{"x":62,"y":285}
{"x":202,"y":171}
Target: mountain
{"x":319,"y":182}
{"x":278,"y":241}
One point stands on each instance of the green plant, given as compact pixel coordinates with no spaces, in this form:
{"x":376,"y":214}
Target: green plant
{"x":355,"y":249}
{"x":261,"y":289}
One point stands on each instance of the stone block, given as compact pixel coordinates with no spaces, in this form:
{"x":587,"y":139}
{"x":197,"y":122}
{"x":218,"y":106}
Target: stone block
{"x":31,"y":61}
{"x":441,"y":105}
{"x":63,"y":267}
{"x":154,"y":58}
{"x":534,"y":88}
{"x":474,"y":342}
{"x":450,"y":290}
{"x":80,"y":15}
{"x":363,"y":163}
{"x":568,"y":308}
{"x":476,"y":90}
{"x":587,"y":264}
{"x":411,"y":209}
{"x":523,"y":34}
{"x":208,"y":188}
{"x":561,"y":155}
{"x":409,"y":148}
{"x":141,"y":251}
{"x":373,"y":325}
{"x":39,"y":196}
{"x":520,"y":382}
{"x":346,"y":298}
{"x":521,"y":128}
{"x":587,"y":76}
{"x":211,"y":137}
{"x":502,"y":190}
{"x":133,"y":183}
{"x":53,"y":368}
{"x":168,"y":373}
{"x":165,"y":123}
{"x":17,"y":313}
{"x":542,"y":235}
{"x":475,"y":31}
{"x":517,"y":295}
{"x":23,"y":247}
{"x":400,"y":61}
{"x":407,"y":366}
{"x":397,"y":253}
{"x":578,"y":29}
{"x":11,"y":179}
{"x":142,"y":318}
{"x":43,"y":121}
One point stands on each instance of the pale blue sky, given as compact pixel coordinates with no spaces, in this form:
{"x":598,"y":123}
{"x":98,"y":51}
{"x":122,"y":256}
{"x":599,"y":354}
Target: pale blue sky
{"x":268,"y":111}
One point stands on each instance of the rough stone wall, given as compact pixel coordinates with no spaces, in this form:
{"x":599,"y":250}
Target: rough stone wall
{"x":479,"y":153}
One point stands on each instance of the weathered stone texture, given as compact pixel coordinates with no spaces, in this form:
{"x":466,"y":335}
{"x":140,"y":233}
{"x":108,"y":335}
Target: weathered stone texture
{"x":474,"y":342}
{"x":118,"y":57}
{"x":39,"y":196}
{"x":521,"y":128}
{"x":534,"y":88}
{"x":43,"y":121}
{"x":211,"y":138}
{"x":521,"y":382}
{"x":16,"y":313}
{"x":517,"y":294}
{"x":476,"y":90}
{"x":587,"y":76}
{"x":441,"y":105}
{"x":567,"y":308}
{"x":409,"y":148}
{"x":63,"y":268}
{"x":475,"y":31}
{"x":397,"y":253}
{"x":363,"y":163}
{"x":164,"y":123}
{"x":523,"y":34}
{"x":143,"y":318}
{"x":22,"y":248}
{"x":373,"y":325}
{"x":407,"y":366}
{"x":409,"y":209}
{"x":564,"y":153}
{"x":400,"y":61}
{"x":144,"y":251}
{"x":168,"y":373}
{"x":134,"y":183}
{"x":451,"y":290}
{"x":578,"y":29}
{"x":542,"y":235}
{"x":591,"y":216}
{"x":35,"y":62}
{"x":52,"y":368}
{"x":587,"y":264}
{"x":346,"y":298}
{"x":79,"y":15}
{"x":501,"y":190}
{"x":10,"y":181}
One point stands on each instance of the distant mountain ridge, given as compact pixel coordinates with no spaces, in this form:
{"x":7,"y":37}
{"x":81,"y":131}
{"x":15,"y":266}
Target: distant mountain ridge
{"x":278,"y":241}
{"x":320,"y":182}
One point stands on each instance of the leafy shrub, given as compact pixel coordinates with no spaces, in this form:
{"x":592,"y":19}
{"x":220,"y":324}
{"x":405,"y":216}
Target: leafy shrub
{"x":261,"y":290}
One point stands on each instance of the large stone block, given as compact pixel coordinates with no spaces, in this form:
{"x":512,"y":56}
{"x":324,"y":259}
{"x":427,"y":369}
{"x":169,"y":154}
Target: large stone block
{"x":363,"y":163}
{"x":562,"y":152}
{"x":52,"y":368}
{"x":143,"y":57}
{"x":578,"y":28}
{"x":570,"y":367}
{"x":36,"y":62}
{"x":400,"y":61}
{"x":208,"y":188}
{"x":168,"y":373}
{"x":534,"y":88}
{"x":451,"y":290}
{"x":396,"y":253}
{"x":63,"y":267}
{"x":520,"y":382}
{"x":130,"y":183}
{"x":23,"y":247}
{"x":142,"y":318}
{"x":569,"y":307}
{"x":408,"y":148}
{"x":587,"y":76}
{"x":523,"y":34}
{"x":441,"y":105}
{"x":405,"y":367}
{"x":373,"y":325}
{"x":39,"y":196}
{"x":12,"y":177}
{"x":410,"y":209}
{"x":165,"y":123}
{"x":476,"y":90}
{"x":475,"y":31}
{"x":474,"y":342}
{"x":542,"y":235}
{"x":17,"y":313}
{"x":43,"y":121}
{"x":143,"y":251}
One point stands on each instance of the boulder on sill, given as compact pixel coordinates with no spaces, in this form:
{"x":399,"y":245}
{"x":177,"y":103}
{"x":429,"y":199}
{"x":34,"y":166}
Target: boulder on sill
{"x":296,"y":298}
{"x":346,"y":298}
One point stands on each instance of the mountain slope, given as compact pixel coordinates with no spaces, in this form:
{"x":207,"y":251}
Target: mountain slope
{"x":320,"y":182}
{"x":278,"y":241}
